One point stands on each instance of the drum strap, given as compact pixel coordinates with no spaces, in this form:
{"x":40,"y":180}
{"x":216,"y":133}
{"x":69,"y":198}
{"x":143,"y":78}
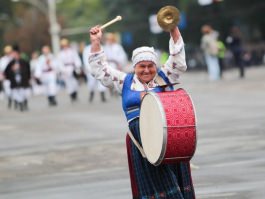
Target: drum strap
{"x":159,"y":80}
{"x":137,"y":144}
{"x":162,"y":83}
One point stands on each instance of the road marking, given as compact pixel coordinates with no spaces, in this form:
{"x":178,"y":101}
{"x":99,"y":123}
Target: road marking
{"x":6,"y":127}
{"x":244,"y":162}
{"x":217,"y":195}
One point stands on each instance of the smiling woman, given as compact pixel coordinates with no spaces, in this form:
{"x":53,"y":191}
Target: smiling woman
{"x":146,"y":71}
{"x":144,"y":61}
{"x":147,"y":181}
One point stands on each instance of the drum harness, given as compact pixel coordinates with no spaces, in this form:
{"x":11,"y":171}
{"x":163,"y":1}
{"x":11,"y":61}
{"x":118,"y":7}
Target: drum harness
{"x":137,"y":144}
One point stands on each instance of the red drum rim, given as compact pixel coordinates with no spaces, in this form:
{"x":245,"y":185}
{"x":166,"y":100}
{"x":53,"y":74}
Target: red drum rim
{"x":195,"y":122}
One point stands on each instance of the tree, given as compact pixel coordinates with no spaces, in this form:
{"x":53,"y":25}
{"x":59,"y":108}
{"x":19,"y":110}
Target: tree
{"x":5,"y":17}
{"x":26,"y":26}
{"x":81,"y":13}
{"x":29,"y":29}
{"x":25,"y":23}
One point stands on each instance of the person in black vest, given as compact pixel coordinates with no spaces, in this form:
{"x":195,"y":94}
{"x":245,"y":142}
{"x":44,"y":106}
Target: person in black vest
{"x":18,"y":73}
{"x":234,"y":42}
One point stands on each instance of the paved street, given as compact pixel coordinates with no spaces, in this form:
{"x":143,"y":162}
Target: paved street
{"x":77,"y":151}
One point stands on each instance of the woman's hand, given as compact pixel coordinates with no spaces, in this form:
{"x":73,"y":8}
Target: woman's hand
{"x":95,"y":38}
{"x":175,"y":34}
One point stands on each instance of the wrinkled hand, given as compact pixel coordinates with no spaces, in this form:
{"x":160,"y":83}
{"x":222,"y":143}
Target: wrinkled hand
{"x":95,"y":34}
{"x":175,"y":34}
{"x":95,"y":38}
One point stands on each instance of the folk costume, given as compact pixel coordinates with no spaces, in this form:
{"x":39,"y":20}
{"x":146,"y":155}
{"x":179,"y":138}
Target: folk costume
{"x":71,"y":63}
{"x":5,"y":83}
{"x":114,"y":52}
{"x":170,"y":181}
{"x":18,"y":73}
{"x":93,"y":84}
{"x":46,"y":72}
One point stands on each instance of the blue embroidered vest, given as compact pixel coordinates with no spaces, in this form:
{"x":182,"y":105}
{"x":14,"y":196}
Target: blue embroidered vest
{"x":131,"y":100}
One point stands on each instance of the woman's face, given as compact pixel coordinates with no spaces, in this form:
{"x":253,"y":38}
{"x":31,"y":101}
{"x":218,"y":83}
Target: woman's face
{"x":145,"y":71}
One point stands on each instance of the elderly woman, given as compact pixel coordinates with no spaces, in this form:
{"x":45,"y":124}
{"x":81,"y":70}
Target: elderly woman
{"x":147,"y":181}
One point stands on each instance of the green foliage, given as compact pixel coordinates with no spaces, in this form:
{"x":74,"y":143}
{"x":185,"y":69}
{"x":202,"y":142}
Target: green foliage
{"x":17,"y":23}
{"x":5,"y":15}
{"x":81,"y":13}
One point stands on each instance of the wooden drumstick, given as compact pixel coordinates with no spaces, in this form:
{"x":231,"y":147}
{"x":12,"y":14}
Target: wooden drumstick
{"x":118,"y":18}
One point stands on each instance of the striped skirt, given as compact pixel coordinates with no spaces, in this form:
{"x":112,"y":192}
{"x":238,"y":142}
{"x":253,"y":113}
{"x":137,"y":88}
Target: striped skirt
{"x":170,"y":181}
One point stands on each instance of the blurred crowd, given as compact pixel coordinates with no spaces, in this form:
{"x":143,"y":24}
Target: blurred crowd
{"x":45,"y":73}
{"x":219,"y":53}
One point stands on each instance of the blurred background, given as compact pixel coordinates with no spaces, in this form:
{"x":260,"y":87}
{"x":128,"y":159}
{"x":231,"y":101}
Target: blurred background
{"x":67,"y":148}
{"x":33,"y":23}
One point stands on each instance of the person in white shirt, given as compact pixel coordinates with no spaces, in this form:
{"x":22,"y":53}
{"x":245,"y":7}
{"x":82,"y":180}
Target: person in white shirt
{"x":93,"y":84}
{"x":46,"y":71}
{"x":114,"y":52}
{"x":5,"y":83}
{"x":71,"y":63}
{"x":36,"y":86}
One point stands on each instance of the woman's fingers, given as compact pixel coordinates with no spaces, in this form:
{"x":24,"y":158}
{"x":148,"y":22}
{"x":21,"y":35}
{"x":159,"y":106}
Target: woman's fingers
{"x":95,"y":30}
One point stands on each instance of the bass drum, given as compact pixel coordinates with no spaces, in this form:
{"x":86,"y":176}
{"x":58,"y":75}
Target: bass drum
{"x":168,"y":127}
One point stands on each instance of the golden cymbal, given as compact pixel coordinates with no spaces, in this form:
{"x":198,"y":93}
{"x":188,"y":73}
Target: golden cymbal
{"x":168,"y":18}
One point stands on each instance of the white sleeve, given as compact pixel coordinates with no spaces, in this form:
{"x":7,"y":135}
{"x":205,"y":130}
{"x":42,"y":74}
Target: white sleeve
{"x":86,"y":52}
{"x":56,"y":64}
{"x":1,"y":65}
{"x":59,"y":59}
{"x":85,"y":55}
{"x":38,"y":69}
{"x":176,"y":62}
{"x":77,"y":60}
{"x":102,"y":71}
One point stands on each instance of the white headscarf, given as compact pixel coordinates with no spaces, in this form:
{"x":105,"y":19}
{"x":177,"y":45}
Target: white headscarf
{"x":144,"y":54}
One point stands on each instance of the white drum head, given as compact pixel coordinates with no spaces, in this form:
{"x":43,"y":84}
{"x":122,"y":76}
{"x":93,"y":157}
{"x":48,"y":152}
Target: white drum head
{"x":152,"y":128}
